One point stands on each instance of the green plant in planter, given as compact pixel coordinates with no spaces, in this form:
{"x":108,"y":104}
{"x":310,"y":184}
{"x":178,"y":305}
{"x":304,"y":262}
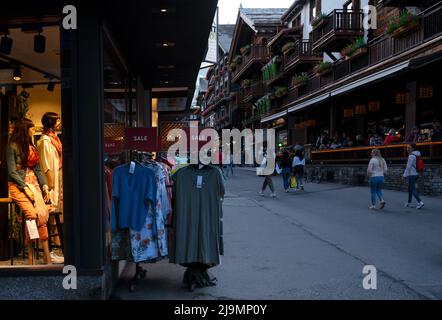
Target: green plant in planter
{"x":300,"y":80}
{"x":320,"y":18}
{"x":288,"y":47}
{"x":323,"y":67}
{"x":352,"y":48}
{"x":281,"y":91}
{"x":246,"y":50}
{"x":246,"y":83}
{"x":404,"y":20}
{"x":237,"y":59}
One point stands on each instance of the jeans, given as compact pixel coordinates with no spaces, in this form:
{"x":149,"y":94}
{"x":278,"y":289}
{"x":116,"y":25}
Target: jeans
{"x":376,"y":184}
{"x":299,"y":179}
{"x":229,"y":169}
{"x":412,"y":189}
{"x":286,"y":174}
{"x":268,"y":182}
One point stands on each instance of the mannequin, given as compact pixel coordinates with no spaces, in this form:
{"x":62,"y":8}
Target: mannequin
{"x":26,"y":183}
{"x":50,"y":149}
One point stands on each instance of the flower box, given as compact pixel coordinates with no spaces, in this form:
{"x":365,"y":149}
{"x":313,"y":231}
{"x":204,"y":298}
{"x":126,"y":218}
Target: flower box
{"x":404,"y":30}
{"x":323,"y":68}
{"x":299,"y":81}
{"x":319,"y":20}
{"x":288,"y":47}
{"x":356,"y":53}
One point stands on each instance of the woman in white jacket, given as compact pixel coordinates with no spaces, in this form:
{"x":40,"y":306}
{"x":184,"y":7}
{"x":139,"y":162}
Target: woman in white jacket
{"x":377,"y":168}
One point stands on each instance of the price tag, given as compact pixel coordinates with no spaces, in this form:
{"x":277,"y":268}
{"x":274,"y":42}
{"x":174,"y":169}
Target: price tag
{"x":132,"y":167}
{"x":199,"y":182}
{"x":32,"y":229}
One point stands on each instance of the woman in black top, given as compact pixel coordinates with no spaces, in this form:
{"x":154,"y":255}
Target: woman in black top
{"x":286,"y":166}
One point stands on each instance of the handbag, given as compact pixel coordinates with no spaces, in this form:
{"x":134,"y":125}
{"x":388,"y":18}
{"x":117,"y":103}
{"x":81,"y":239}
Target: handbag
{"x":293,"y":182}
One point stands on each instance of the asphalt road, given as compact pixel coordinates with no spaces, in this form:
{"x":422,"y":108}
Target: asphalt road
{"x":313,"y":245}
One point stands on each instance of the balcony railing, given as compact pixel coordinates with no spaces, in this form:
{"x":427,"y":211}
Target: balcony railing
{"x":379,"y":50}
{"x":257,"y":54}
{"x":399,"y":3}
{"x":302,"y":53}
{"x":337,"y":29}
{"x":255,"y":91}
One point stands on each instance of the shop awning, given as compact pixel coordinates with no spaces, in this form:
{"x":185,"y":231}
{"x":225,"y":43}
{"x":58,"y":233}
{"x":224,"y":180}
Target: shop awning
{"x":274,"y":116}
{"x":351,"y":86}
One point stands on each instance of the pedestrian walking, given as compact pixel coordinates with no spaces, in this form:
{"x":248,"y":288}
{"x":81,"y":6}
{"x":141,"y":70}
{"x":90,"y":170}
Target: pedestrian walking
{"x":268,"y":181}
{"x":414,"y":166}
{"x":377,"y":168}
{"x":299,"y":168}
{"x":286,"y":167}
{"x":229,"y":164}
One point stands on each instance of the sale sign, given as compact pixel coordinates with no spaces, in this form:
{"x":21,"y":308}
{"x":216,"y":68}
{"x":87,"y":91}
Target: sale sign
{"x":113,"y":146}
{"x":142,"y":139}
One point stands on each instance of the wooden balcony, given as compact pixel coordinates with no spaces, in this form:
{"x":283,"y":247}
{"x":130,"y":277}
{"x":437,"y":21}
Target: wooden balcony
{"x":302,"y":57}
{"x":400,"y":3}
{"x":254,"y":92}
{"x":337,"y":30}
{"x":257,"y":56}
{"x":295,"y":32}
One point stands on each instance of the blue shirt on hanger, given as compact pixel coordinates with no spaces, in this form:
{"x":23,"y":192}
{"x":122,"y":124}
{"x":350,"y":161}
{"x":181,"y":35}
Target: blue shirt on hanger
{"x":133,"y":186}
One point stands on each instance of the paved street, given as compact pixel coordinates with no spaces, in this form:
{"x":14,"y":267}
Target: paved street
{"x":313,"y":245}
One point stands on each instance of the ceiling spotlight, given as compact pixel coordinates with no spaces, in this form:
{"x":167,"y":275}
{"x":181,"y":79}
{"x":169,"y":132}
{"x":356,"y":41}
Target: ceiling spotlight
{"x":51,"y":86}
{"x":39,"y":43}
{"x":17,"y":74}
{"x":6,"y":45}
{"x":164,"y":10}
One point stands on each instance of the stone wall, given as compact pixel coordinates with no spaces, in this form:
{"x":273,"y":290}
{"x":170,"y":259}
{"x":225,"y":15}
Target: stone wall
{"x":430,"y":182}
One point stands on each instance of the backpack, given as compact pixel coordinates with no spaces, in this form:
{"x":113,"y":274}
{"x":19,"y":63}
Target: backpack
{"x":419,"y":164}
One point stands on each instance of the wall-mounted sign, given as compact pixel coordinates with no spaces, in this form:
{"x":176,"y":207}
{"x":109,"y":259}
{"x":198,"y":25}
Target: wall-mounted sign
{"x":426,"y":92}
{"x":361,"y":109}
{"x":142,"y":139}
{"x":374,"y":105}
{"x":113,"y":146}
{"x":348,"y":113}
{"x":402,"y":98}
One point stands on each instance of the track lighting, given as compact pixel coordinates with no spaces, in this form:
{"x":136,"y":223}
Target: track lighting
{"x":39,"y":43}
{"x":6,"y":45}
{"x":17,"y":74}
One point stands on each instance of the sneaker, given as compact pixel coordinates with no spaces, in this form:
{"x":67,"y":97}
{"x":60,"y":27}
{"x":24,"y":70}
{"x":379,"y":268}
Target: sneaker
{"x":407,"y":205}
{"x":286,"y":190}
{"x":420,"y":205}
{"x":382,"y":206}
{"x":273,"y":195}
{"x":56,"y":259}
{"x":261,"y":194}
{"x":372,"y":207}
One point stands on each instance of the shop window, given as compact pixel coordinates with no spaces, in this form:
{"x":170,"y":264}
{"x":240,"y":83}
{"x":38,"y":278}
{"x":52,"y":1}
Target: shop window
{"x":32,"y":190}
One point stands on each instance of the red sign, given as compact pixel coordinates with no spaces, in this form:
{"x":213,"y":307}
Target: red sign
{"x":197,"y":138}
{"x":142,"y":139}
{"x":113,"y":146}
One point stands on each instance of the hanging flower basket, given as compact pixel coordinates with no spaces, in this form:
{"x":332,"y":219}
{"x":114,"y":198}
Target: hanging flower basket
{"x":237,"y":59}
{"x":246,"y":83}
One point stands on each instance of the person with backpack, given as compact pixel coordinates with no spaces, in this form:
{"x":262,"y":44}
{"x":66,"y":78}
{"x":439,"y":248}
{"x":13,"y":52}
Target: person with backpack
{"x":415,"y":166}
{"x":377,"y":168}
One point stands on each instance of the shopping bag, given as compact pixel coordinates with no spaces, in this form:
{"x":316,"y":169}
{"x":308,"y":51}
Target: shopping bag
{"x":32,"y":229}
{"x":293,"y":183}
